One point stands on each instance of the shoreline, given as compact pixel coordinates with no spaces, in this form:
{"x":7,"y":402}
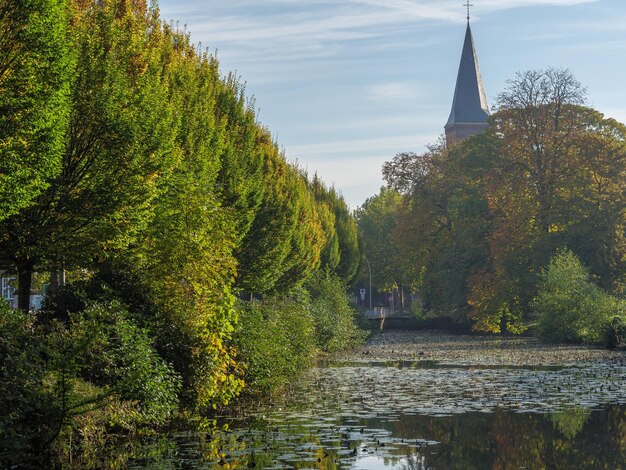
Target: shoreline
{"x":463,"y":349}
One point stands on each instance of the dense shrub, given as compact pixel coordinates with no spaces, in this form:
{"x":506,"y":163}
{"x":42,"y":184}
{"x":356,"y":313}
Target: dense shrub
{"x":615,"y":333}
{"x":278,"y":336}
{"x":118,"y":351}
{"x":188,"y":333}
{"x":275,"y":341}
{"x":31,"y":411}
{"x":97,"y":367}
{"x":569,"y":307}
{"x":333,"y":316}
{"x":117,"y":355}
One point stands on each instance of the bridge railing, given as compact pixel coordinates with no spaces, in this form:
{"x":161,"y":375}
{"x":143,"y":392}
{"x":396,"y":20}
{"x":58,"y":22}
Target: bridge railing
{"x":381,"y":312}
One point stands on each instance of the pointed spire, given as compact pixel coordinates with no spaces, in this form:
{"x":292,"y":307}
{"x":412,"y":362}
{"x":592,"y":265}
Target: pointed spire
{"x":469,"y":108}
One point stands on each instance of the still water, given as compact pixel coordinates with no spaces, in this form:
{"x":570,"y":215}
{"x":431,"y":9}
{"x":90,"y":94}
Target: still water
{"x":418,"y":415}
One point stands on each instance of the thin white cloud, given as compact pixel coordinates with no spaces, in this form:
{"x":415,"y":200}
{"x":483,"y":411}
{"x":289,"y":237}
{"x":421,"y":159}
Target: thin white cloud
{"x":388,"y":145}
{"x":397,"y":120}
{"x":508,"y":4}
{"x":325,"y":20}
{"x":300,"y":29}
{"x":394,"y":93}
{"x":291,"y":48}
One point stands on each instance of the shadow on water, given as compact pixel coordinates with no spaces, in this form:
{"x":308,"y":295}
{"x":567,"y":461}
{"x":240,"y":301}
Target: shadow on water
{"x":414,"y":416}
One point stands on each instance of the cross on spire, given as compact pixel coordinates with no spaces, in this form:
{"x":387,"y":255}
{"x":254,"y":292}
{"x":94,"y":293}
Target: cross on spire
{"x":468,"y":5}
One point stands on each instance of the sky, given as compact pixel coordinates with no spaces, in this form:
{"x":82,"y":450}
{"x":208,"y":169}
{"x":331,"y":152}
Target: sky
{"x":345,"y":85}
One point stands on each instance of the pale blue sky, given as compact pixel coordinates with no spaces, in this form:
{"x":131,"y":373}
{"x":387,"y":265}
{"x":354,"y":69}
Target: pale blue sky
{"x":344,"y":85}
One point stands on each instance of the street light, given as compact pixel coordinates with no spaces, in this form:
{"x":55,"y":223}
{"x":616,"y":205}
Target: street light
{"x":369,"y":270}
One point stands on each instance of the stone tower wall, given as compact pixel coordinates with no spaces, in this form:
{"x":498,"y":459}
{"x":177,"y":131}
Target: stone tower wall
{"x":461,"y":131}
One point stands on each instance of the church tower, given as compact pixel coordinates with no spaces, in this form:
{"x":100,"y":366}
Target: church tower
{"x":469,"y":109}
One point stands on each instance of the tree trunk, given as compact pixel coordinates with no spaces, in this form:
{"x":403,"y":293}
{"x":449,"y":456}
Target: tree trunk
{"x":24,"y":283}
{"x":57,"y":280}
{"x":53,"y":285}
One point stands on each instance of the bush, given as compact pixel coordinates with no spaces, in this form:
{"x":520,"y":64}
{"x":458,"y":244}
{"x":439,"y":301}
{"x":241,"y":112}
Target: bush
{"x":277,"y":337}
{"x":31,"y":412}
{"x":275,"y":342}
{"x":333,"y":316}
{"x":96,"y":367}
{"x":114,"y":353}
{"x":418,"y":312}
{"x":190,"y":328}
{"x":569,"y":307}
{"x":615,"y":333}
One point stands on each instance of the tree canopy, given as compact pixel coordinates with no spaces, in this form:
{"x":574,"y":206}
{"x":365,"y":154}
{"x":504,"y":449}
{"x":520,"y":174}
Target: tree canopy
{"x":36,"y":64}
{"x":131,"y":162}
{"x":485,"y":216}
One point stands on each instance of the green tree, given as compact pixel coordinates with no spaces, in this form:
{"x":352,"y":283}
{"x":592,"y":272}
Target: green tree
{"x":299,"y":226}
{"x":263,"y":255}
{"x":342,"y":251}
{"x":377,"y":219}
{"x":308,"y":238}
{"x":240,"y":178}
{"x":119,"y":143}
{"x":349,"y":246}
{"x":185,"y":255}
{"x":569,"y":307}
{"x":330,"y":255}
{"x":35,"y":70}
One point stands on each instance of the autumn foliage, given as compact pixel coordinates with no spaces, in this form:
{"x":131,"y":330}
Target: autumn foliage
{"x":482,"y":219}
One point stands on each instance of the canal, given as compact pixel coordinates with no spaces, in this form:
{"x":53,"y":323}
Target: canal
{"x":416,"y":400}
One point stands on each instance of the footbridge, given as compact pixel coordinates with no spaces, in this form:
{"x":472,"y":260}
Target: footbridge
{"x":391,"y":319}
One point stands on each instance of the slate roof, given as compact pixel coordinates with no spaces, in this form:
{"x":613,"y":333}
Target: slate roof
{"x":470,"y":104}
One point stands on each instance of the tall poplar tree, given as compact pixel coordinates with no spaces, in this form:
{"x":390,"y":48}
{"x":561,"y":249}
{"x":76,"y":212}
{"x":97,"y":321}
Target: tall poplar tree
{"x":118,"y":144}
{"x":35,"y":69}
{"x":262,"y":256}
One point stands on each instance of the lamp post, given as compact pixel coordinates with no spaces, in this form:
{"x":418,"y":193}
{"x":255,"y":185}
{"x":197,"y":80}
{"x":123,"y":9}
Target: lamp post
{"x":369,"y":270}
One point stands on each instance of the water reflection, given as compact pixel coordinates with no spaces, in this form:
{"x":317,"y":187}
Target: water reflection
{"x":415,"y":416}
{"x":499,"y":440}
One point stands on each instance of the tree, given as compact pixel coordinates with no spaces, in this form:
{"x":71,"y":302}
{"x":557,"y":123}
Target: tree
{"x":308,"y":238}
{"x":485,"y":216}
{"x":35,"y":70}
{"x":185,"y":255}
{"x":269,"y":250}
{"x":442,"y":225}
{"x":263,"y":255}
{"x":535,"y":192}
{"x":240,"y":177}
{"x":538,"y":116}
{"x":118,"y":143}
{"x":342,"y":252}
{"x":377,"y":219}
